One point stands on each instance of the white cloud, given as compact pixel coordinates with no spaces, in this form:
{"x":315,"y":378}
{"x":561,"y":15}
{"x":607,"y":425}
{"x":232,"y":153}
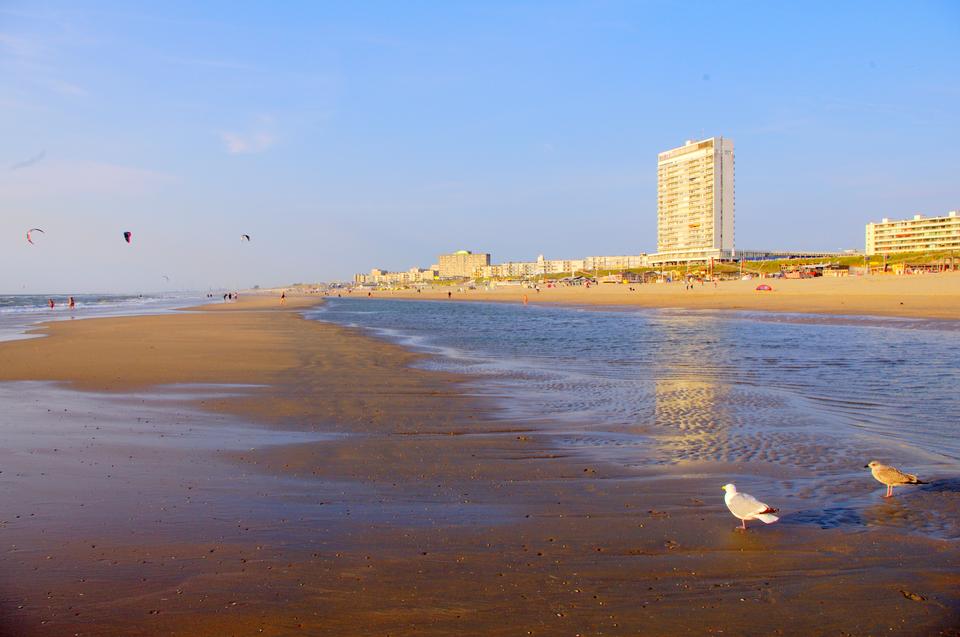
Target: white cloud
{"x":80,"y":178}
{"x":247,"y":143}
{"x":211,"y":63}
{"x":34,"y":59}
{"x":21,"y":47}
{"x":65,"y":88}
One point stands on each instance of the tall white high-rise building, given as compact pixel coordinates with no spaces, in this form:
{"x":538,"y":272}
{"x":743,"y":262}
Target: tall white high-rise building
{"x":695,"y":201}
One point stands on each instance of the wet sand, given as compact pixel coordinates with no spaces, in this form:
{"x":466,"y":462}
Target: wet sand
{"x":916,"y":296}
{"x":159,"y":486}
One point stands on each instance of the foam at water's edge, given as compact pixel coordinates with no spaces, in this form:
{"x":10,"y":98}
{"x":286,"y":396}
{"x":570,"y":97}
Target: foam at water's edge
{"x":16,"y":320}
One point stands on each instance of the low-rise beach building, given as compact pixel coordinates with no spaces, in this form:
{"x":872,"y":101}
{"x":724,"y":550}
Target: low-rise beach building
{"x":919,"y":234}
{"x":543,"y":266}
{"x":423,"y":275}
{"x":378,"y":276}
{"x":622,"y":262}
{"x":511,"y":270}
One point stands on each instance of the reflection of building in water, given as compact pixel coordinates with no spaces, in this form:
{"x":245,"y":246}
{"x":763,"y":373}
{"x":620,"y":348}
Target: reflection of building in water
{"x":695,"y":407}
{"x":689,"y":405}
{"x":693,"y":418}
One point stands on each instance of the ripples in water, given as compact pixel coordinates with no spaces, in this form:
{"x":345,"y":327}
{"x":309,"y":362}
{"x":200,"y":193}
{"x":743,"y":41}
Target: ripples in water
{"x":812,"y":397}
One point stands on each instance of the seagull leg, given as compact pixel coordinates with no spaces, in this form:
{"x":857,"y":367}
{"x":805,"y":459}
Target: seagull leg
{"x":743,"y":525}
{"x":889,"y":492}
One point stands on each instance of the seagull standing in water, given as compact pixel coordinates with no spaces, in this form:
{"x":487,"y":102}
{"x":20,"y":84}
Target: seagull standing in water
{"x":746,"y":507}
{"x":891,"y":476}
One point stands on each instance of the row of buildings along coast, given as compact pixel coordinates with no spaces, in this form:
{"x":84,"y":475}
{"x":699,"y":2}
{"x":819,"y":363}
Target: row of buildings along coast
{"x":695,"y":224}
{"x":464,"y":264}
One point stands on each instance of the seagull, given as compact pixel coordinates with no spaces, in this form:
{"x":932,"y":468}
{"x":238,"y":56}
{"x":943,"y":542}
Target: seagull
{"x":891,"y":476}
{"x":746,"y":507}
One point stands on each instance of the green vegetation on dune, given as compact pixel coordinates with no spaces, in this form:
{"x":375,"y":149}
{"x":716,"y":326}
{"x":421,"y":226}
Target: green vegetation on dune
{"x":918,"y":258}
{"x":730,"y":268}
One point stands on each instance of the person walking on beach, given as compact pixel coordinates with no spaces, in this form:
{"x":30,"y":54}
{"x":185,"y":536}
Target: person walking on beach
{"x":449,"y":295}
{"x":71,"y":303}
{"x":283,"y":298}
{"x":51,"y":303}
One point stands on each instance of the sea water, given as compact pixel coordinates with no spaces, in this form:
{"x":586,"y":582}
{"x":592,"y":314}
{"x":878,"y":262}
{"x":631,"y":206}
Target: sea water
{"x":19,"y":312}
{"x":803,"y":394}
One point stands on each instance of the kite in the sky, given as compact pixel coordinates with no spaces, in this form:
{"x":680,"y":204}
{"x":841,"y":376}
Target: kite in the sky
{"x":165,"y":278}
{"x":127,"y":236}
{"x":30,"y":233}
{"x":244,"y":237}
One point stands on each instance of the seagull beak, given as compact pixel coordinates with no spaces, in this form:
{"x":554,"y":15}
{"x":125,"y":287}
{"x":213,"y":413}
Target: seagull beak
{"x":723,"y":488}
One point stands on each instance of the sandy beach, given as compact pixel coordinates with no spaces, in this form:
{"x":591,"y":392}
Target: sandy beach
{"x":917,"y":296}
{"x":380,"y":499}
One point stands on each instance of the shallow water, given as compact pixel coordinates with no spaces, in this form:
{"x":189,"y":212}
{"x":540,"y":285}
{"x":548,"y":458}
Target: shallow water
{"x":84,"y":463}
{"x":20,"y":312}
{"x":806,"y":400}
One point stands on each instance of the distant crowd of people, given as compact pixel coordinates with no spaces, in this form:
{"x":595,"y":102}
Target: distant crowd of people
{"x":228,"y":296}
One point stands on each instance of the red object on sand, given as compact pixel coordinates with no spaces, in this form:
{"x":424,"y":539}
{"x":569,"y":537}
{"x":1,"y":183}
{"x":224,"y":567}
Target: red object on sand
{"x":764,"y":288}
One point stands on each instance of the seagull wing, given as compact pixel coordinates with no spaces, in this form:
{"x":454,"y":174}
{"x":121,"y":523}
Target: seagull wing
{"x":745,"y":506}
{"x":893,"y":476}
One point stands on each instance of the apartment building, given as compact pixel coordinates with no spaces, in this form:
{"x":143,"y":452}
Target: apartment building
{"x":622,"y":262}
{"x":510,"y":270}
{"x":695,"y":201}
{"x":919,"y":234}
{"x":384,"y":277}
{"x":542,"y":266}
{"x":462,"y":264}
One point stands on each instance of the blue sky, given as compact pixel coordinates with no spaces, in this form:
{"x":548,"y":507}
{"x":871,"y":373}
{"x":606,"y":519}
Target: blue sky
{"x":343,"y":136}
